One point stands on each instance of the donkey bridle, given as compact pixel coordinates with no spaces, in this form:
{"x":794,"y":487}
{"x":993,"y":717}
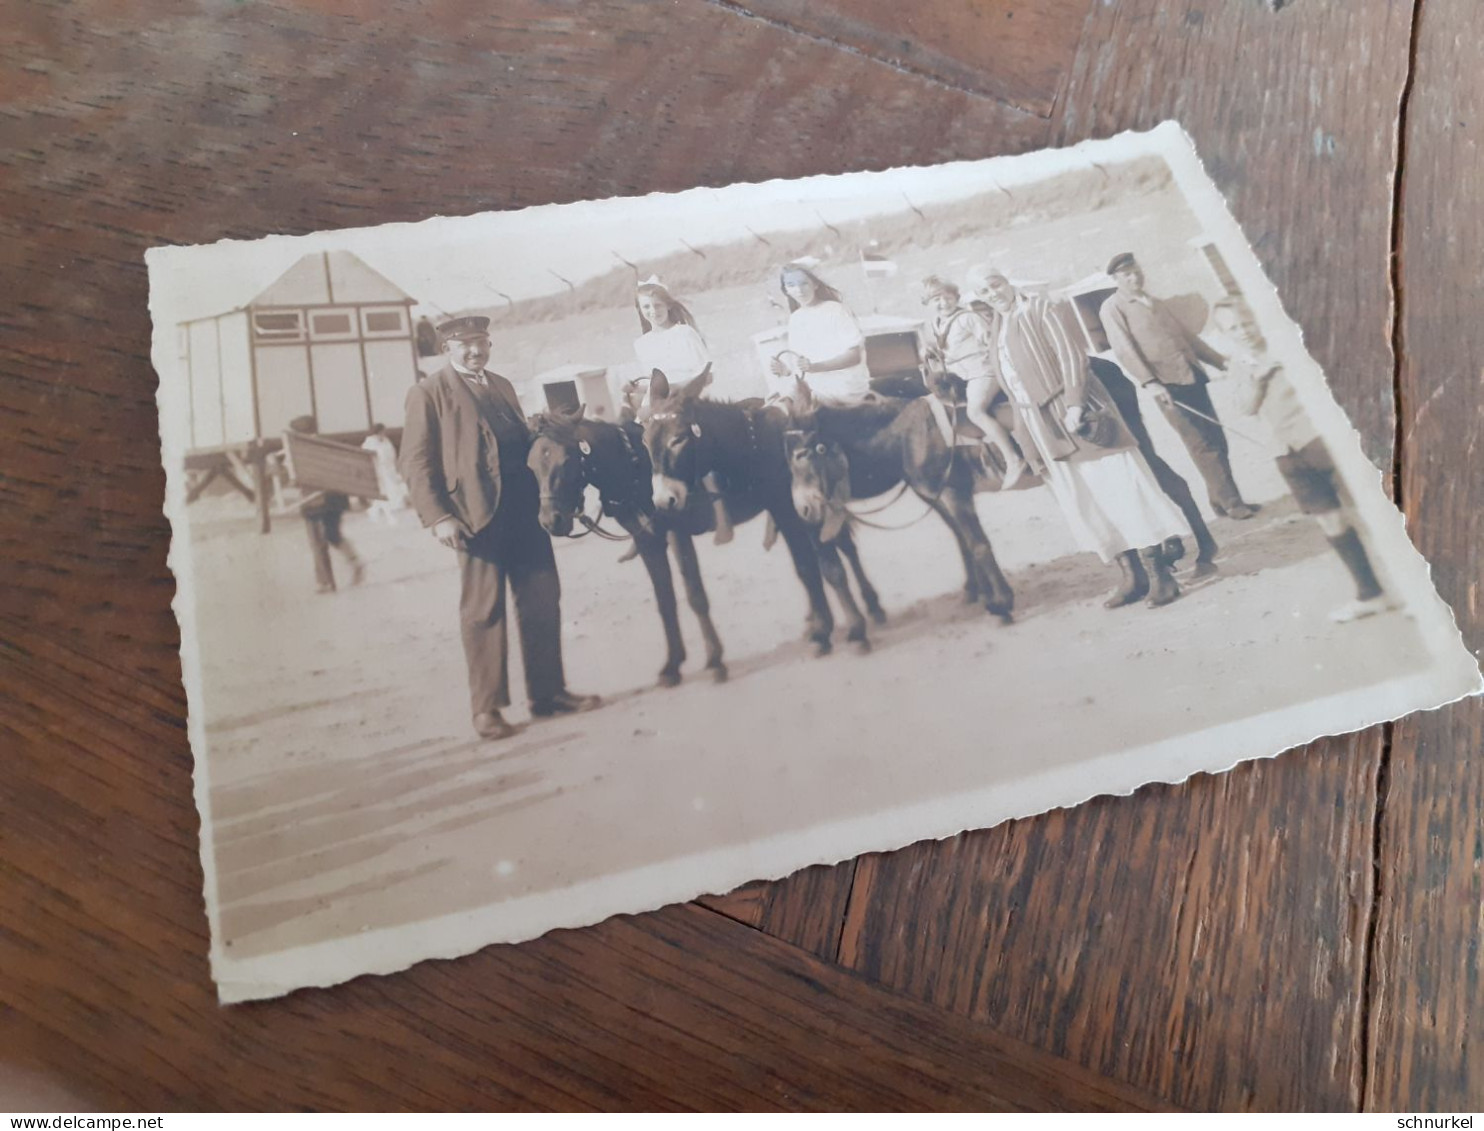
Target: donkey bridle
{"x":606,"y":506}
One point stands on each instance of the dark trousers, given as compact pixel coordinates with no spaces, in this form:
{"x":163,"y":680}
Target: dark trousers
{"x":324,"y":531}
{"x":1126,"y":399}
{"x":1206,"y":443}
{"x":512,"y":548}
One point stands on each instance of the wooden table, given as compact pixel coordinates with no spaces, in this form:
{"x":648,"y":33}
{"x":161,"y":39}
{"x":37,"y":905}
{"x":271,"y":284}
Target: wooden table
{"x":1300,"y":933}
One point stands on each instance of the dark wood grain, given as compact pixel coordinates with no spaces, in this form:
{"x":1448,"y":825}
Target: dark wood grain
{"x":166,"y":123}
{"x":171,"y":123}
{"x":134,"y":134}
{"x":1427,"y":1034}
{"x":680,"y":1009}
{"x":1205,"y":942}
{"x":1165,"y":938}
{"x":807,"y":908}
{"x":1009,"y":50}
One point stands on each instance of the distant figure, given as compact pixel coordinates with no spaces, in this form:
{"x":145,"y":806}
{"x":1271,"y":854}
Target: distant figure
{"x":1161,"y":354}
{"x":394,"y":495}
{"x":464,"y":453}
{"x":827,"y":345}
{"x":427,"y":338}
{"x":322,"y":512}
{"x":965,"y":341}
{"x":671,"y":344}
{"x":1307,"y":466}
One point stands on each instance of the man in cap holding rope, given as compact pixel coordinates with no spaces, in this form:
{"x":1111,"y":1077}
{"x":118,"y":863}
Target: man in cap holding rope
{"x":1157,"y":350}
{"x":464,"y":455}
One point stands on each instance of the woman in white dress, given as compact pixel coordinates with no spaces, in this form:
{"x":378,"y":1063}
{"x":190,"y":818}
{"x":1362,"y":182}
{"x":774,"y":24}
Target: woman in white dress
{"x":671,"y":344}
{"x":826,"y":343}
{"x":1106,"y":492}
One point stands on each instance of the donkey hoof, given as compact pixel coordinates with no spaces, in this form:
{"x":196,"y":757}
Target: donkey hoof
{"x":862,"y":646}
{"x":822,"y":648}
{"x":971,"y":595}
{"x":878,"y":615}
{"x":718,"y":672}
{"x":669,"y":679}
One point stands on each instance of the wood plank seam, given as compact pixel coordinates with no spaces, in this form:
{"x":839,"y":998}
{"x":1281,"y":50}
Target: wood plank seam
{"x":1398,"y":332}
{"x":1365,"y":1060}
{"x":850,"y":890}
{"x":1373,"y":920}
{"x":897,"y":65}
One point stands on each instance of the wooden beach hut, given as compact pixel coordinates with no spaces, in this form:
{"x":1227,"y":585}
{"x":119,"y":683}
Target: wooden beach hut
{"x":331,"y":338}
{"x":568,"y":386}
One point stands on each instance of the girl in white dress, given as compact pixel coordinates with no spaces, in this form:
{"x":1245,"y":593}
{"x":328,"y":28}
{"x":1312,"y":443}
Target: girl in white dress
{"x":671,"y":344}
{"x":670,"y":341}
{"x":827,"y":343}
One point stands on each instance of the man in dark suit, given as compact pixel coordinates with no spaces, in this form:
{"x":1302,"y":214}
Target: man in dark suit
{"x":1161,"y":354}
{"x":464,"y":458}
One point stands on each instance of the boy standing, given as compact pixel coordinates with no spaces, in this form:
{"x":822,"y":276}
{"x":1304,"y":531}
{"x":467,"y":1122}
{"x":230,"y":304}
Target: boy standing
{"x":1307,"y":466}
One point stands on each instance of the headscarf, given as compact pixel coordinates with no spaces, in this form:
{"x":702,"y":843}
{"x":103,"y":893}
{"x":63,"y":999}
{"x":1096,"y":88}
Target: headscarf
{"x":976,"y":281}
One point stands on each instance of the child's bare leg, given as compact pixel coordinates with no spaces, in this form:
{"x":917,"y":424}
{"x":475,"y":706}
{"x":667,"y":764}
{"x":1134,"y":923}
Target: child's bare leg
{"x":719,"y":510}
{"x":997,"y":437}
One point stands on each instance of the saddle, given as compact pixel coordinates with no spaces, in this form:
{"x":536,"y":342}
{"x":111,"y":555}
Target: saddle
{"x":954,"y":424}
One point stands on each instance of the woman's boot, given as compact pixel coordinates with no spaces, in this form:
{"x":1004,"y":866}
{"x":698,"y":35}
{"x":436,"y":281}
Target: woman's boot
{"x":1133,"y":584}
{"x":1162,"y":585}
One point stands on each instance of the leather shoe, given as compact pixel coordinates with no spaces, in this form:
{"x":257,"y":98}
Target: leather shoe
{"x":492,"y":725}
{"x":564,"y":703}
{"x":1241,"y":512}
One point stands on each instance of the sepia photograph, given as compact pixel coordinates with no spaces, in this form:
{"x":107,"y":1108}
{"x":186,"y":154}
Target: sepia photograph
{"x":540,"y":566}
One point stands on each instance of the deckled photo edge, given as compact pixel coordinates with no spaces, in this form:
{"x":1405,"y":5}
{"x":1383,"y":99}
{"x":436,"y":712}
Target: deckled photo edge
{"x":386,"y":954}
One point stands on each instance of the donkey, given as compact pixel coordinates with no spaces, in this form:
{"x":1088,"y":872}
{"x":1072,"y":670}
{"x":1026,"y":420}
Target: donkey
{"x":570,"y":453}
{"x":860,"y":451}
{"x":741,"y":447}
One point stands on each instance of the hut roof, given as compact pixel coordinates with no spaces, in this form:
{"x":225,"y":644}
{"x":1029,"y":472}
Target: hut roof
{"x":324,"y":277}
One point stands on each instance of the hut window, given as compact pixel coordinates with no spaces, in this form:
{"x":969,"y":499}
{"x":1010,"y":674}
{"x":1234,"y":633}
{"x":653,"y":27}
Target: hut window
{"x":332,"y":325}
{"x":384,"y":322}
{"x":278,"y":325}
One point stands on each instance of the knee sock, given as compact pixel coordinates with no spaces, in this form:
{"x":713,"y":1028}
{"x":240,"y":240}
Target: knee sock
{"x":1352,"y":553}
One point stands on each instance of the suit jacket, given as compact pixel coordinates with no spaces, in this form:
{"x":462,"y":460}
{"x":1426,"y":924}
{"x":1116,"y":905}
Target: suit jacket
{"x":1151,"y":344}
{"x":450,"y":457}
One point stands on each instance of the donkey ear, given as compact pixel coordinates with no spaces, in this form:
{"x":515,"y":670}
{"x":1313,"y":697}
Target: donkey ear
{"x":697,"y":385}
{"x":581,"y":412}
{"x":659,"y":386}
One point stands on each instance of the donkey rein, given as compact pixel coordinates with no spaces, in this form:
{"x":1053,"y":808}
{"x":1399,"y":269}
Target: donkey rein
{"x":932,"y":504}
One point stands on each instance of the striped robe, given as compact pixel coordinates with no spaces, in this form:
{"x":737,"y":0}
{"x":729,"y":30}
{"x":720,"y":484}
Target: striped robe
{"x":1106,"y":492}
{"x":1040,"y":342}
